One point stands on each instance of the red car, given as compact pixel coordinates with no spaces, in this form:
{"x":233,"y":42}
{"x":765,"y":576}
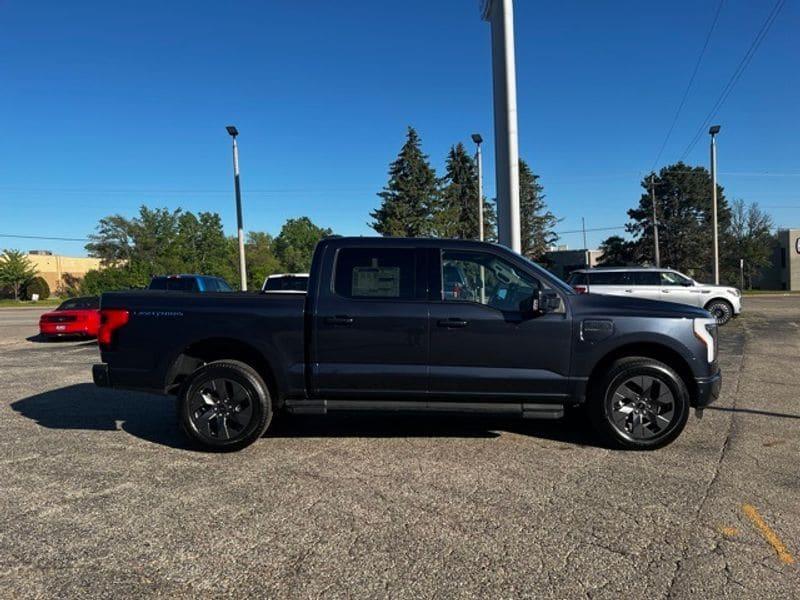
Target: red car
{"x":73,"y":317}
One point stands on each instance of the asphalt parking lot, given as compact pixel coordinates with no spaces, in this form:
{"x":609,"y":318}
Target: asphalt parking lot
{"x":100,"y":496}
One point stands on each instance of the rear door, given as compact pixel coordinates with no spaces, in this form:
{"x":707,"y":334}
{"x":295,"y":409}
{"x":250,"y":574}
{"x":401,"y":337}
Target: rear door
{"x":484,"y":342}
{"x":613,"y":283}
{"x":370,"y":327}
{"x":647,"y":285}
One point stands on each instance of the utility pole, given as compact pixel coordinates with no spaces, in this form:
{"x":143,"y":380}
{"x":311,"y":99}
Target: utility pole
{"x":655,"y":220}
{"x":500,"y":13}
{"x":714,"y":131}
{"x":586,"y":257}
{"x":476,"y":137}
{"x":242,"y":268}
{"x":741,"y":273}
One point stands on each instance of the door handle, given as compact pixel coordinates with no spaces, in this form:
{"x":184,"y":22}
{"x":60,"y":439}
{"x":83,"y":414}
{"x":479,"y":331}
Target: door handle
{"x":629,"y":291}
{"x":452,"y":323}
{"x":339,"y":320}
{"x":665,"y":291}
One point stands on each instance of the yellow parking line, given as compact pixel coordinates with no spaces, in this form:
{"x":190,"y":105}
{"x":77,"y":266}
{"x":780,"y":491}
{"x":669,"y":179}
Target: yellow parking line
{"x":769,"y":535}
{"x":730,"y":532}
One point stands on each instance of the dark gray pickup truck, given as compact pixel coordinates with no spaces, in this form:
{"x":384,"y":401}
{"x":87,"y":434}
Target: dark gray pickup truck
{"x":413,"y":324}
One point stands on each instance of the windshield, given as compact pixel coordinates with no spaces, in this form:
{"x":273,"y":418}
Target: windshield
{"x":549,"y":277}
{"x":87,"y":303}
{"x":174,"y":284}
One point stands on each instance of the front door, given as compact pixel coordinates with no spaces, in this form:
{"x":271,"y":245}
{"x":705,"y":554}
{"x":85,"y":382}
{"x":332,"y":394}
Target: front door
{"x":371,"y":326}
{"x":677,"y":288}
{"x":486,"y":344}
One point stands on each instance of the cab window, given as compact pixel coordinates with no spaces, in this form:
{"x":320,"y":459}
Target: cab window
{"x":647,"y":278}
{"x":669,"y":278}
{"x":375,"y":273}
{"x":486,"y":279}
{"x":611,"y":278}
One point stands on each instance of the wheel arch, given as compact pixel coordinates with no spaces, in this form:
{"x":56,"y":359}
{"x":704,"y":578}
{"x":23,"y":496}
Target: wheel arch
{"x":654,"y":350}
{"x":219,"y":348}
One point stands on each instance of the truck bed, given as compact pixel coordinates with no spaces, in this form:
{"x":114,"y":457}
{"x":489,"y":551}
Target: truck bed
{"x":164,"y":325}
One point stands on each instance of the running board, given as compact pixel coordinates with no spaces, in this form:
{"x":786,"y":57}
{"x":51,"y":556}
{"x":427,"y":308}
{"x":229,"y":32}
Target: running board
{"x":524,"y":409}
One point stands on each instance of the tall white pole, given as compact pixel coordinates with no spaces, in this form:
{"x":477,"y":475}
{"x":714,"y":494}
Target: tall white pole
{"x":714,"y":205}
{"x":479,"y":160}
{"x":500,"y":13}
{"x":238,"y":189}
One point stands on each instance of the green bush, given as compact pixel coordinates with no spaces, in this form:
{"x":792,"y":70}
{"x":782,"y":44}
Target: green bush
{"x":37,"y":285}
{"x":114,"y":278}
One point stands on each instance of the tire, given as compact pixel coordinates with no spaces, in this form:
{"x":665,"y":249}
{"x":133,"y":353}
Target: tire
{"x":625,"y":414}
{"x":721,"y":310}
{"x":224,"y":406}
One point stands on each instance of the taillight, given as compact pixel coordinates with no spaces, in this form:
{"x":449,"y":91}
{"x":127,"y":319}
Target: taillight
{"x":111,"y":319}
{"x":581,"y":289}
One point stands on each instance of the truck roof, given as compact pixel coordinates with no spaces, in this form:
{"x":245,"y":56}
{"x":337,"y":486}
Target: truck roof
{"x":400,"y":242}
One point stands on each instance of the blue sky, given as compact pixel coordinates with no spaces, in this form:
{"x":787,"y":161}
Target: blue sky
{"x":106,"y":106}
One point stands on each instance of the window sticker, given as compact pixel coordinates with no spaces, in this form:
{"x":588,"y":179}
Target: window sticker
{"x":377,"y":282}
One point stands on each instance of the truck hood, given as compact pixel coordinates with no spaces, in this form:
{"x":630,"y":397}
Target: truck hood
{"x":597,"y":304}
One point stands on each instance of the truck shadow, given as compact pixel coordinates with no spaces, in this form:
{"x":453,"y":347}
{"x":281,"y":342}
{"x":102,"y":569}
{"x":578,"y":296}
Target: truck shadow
{"x":86,"y":406}
{"x":390,"y":425}
{"x":152,"y":418}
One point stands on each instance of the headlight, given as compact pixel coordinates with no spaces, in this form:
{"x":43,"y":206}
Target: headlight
{"x":734,"y":292}
{"x":705,"y":330}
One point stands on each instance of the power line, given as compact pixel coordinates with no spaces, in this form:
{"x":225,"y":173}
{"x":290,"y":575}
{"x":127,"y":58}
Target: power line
{"x":43,"y":237}
{"x":588,"y":230}
{"x":689,"y":85}
{"x":726,"y":91}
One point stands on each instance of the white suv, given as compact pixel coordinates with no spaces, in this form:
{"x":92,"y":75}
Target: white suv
{"x":659,"y":284}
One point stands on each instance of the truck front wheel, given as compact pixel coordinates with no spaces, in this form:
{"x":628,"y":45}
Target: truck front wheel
{"x":641,"y":404}
{"x":224,"y":406}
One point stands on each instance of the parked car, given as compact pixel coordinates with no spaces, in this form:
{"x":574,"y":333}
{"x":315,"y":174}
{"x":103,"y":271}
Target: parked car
{"x":286,"y":283}
{"x":659,"y":284}
{"x":189,"y":283}
{"x":78,"y":317}
{"x":377,"y":331}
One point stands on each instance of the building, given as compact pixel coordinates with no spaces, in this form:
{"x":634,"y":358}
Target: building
{"x":52,"y":267}
{"x":561,"y":261}
{"x":784,"y":272}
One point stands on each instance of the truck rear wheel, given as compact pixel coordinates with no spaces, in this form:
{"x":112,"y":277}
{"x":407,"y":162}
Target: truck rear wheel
{"x":641,"y":404}
{"x":224,"y":406}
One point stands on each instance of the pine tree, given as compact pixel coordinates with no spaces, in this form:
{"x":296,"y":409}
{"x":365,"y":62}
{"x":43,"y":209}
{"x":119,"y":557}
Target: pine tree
{"x":457,"y":216}
{"x":536,"y":222}
{"x":409,"y":199}
{"x":683,"y":204}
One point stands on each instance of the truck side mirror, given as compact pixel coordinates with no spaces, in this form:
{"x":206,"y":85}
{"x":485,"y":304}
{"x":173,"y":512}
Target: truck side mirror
{"x":545,"y":301}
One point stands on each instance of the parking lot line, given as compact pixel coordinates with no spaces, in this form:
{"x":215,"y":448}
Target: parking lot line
{"x":772,"y":538}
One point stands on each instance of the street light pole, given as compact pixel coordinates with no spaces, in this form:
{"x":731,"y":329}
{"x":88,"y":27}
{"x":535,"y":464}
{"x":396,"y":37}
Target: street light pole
{"x":476,"y":137}
{"x":500,"y":13}
{"x":237,"y":188}
{"x":714,"y":131}
{"x":655,"y":220}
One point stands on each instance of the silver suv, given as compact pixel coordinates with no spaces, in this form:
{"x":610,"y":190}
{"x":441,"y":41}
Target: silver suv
{"x":659,"y":284}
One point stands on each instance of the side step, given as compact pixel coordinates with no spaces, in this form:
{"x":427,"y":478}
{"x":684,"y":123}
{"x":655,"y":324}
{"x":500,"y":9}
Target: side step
{"x":524,"y":409}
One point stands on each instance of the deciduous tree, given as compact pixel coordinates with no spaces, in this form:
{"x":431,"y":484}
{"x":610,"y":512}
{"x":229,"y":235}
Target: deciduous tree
{"x":748,"y":238}
{"x":15,"y":271}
